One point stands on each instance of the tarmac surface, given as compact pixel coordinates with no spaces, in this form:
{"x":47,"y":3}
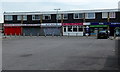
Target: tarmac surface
{"x":58,"y":53}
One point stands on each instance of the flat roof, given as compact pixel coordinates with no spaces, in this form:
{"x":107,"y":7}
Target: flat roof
{"x":61,"y":12}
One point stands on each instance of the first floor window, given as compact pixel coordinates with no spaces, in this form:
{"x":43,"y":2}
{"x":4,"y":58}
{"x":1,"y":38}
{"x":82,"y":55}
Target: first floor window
{"x":112,"y":15}
{"x":8,"y":17}
{"x":47,"y":17}
{"x":19,"y":17}
{"x":24,"y":17}
{"x":104,"y":15}
{"x":58,"y":17}
{"x":90,"y":15}
{"x":65,"y":16}
{"x":35,"y":17}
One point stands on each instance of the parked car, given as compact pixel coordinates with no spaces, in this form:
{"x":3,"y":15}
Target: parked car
{"x":103,"y":34}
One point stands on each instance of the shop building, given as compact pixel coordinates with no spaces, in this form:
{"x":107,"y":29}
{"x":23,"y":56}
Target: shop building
{"x":72,"y":22}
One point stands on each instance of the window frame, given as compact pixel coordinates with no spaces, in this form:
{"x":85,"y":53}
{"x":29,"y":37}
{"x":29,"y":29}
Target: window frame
{"x":34,"y":17}
{"x":49,"y":15}
{"x":87,"y":15}
{"x":64,"y":16}
{"x":7,"y":18}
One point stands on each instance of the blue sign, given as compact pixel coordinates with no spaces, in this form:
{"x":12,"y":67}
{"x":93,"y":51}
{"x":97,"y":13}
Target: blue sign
{"x":106,"y":23}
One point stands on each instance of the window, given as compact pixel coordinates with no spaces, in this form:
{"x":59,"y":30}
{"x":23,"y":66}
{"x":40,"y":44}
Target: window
{"x":104,"y":15}
{"x":78,"y":16}
{"x":90,"y":15}
{"x":65,"y":16}
{"x":58,"y":16}
{"x":8,"y":17}
{"x":35,"y":17}
{"x":112,"y":15}
{"x":74,"y":28}
{"x":80,"y":28}
{"x":25,"y":17}
{"x":64,"y":28}
{"x":47,"y":17}
{"x":19,"y":17}
{"x":69,"y":28}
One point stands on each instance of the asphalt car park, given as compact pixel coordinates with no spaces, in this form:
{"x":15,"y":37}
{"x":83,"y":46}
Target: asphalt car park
{"x":58,"y":53}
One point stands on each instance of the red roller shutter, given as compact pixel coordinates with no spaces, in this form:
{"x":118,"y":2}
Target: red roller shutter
{"x":13,"y":30}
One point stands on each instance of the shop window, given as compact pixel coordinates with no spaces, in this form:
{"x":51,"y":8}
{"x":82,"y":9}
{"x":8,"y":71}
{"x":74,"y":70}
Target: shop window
{"x":69,"y":28}
{"x":74,"y":28}
{"x":65,"y":16}
{"x":59,"y":16}
{"x":8,"y":17}
{"x":90,"y":15}
{"x":47,"y":17}
{"x":80,"y":28}
{"x":112,"y":15}
{"x":35,"y":17}
{"x":78,"y":16}
{"x":104,"y":15}
{"x":64,"y":28}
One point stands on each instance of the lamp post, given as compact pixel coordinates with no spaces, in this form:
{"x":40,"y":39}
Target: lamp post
{"x":57,"y":14}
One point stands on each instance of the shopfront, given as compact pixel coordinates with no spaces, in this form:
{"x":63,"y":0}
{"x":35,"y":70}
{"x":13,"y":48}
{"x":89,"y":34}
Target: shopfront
{"x":86,"y":29}
{"x":96,"y":27}
{"x":114,"y":29}
{"x":52,"y":29}
{"x":73,"y":29}
{"x":31,"y":30}
{"x":12,"y":29}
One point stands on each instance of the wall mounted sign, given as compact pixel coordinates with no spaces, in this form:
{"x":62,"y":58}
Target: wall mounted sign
{"x":22,"y":24}
{"x":51,"y":24}
{"x":72,"y":24}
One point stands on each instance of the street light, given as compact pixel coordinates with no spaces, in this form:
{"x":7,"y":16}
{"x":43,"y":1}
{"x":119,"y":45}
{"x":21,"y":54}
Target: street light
{"x":57,"y":14}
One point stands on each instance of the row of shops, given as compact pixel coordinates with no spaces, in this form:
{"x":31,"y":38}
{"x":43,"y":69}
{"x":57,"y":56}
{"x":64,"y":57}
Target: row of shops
{"x":57,"y":29}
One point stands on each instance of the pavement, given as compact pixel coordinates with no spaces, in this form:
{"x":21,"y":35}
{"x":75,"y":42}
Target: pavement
{"x":58,"y":53}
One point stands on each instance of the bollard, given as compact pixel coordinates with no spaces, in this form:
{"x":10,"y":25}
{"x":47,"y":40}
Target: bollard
{"x":19,"y":34}
{"x":37,"y":34}
{"x":23,"y":34}
{"x":45,"y":35}
{"x":10,"y":34}
{"x":68,"y":34}
{"x":30,"y":35}
{"x":5,"y":35}
{"x":76,"y":34}
{"x":52,"y":34}
{"x":15,"y":34}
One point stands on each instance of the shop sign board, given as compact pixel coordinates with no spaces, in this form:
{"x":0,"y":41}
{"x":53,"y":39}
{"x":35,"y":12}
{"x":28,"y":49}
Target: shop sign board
{"x":86,"y":23}
{"x":22,"y":24}
{"x":106,"y":23}
{"x":99,"y":26}
{"x":71,"y":24}
{"x":51,"y":24}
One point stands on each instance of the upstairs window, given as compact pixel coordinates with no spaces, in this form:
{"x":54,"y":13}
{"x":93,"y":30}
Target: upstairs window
{"x":65,"y":16}
{"x":19,"y":17}
{"x":112,"y":15}
{"x":47,"y":17}
{"x":35,"y":17}
{"x":58,"y":16}
{"x":8,"y":17}
{"x":24,"y":17}
{"x":104,"y":15}
{"x":78,"y":16}
{"x":90,"y":15}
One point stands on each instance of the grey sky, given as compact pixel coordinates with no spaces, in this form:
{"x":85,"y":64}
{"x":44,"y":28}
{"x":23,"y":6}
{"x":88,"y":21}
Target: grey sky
{"x":50,"y":5}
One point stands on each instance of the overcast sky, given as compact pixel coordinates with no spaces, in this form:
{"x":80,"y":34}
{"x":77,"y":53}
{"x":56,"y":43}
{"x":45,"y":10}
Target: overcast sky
{"x":50,"y":5}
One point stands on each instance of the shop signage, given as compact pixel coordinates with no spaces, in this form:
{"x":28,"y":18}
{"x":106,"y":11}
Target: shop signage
{"x":86,"y":23}
{"x":99,"y":26}
{"x":51,"y":24}
{"x":22,"y":24}
{"x":114,"y":23}
{"x":72,"y":24}
{"x":100,"y":23}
